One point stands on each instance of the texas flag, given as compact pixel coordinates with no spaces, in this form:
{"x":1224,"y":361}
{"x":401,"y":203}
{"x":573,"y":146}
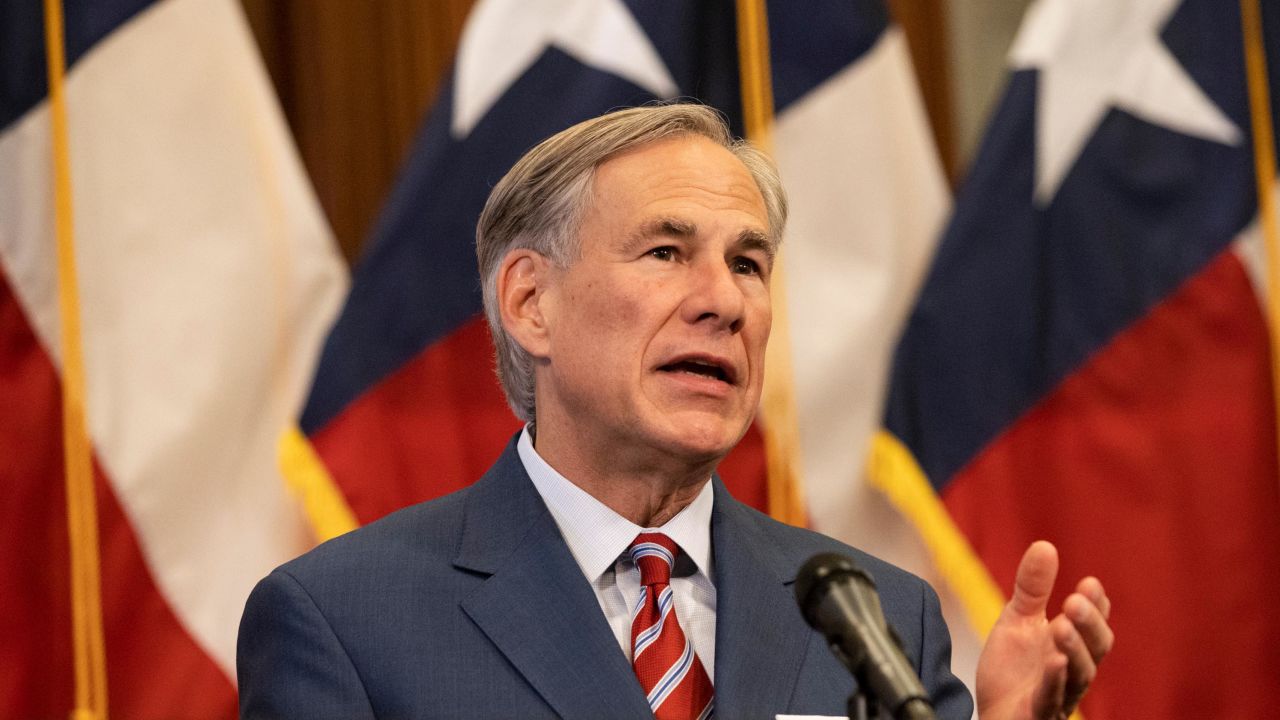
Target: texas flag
{"x":405,"y":405}
{"x":1088,"y":361}
{"x":208,"y":278}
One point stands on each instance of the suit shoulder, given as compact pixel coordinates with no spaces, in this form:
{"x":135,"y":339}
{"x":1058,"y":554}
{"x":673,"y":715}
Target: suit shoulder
{"x":796,"y":545}
{"x":426,"y":532}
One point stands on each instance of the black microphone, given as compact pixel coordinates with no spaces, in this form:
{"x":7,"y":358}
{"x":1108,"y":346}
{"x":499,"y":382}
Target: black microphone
{"x":839,"y":599}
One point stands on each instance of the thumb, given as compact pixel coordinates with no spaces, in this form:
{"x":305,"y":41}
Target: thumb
{"x":1034,"y":581}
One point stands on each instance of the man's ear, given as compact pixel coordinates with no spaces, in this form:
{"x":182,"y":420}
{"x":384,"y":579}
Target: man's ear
{"x":523,"y":278}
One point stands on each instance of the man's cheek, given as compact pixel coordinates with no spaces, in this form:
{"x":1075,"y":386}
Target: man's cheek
{"x":619,"y":313}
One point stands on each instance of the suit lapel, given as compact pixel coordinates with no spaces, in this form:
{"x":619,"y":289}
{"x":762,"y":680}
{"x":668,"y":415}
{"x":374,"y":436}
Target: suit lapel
{"x":536,"y":607}
{"x":758,"y":648}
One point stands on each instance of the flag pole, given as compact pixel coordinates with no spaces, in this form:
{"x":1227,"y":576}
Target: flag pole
{"x":1264,"y":165}
{"x":82,"y":512}
{"x":778,"y":401}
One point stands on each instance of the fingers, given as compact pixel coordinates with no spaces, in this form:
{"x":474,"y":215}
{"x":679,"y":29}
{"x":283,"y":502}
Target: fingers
{"x":1081,"y":668}
{"x":1082,"y":635}
{"x":1091,"y":588}
{"x":1034,"y":580}
{"x":1088,"y":616}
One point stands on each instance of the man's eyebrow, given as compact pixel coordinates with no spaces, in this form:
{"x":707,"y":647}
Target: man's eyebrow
{"x":683,"y":229}
{"x":756,"y":240}
{"x":659,"y":227}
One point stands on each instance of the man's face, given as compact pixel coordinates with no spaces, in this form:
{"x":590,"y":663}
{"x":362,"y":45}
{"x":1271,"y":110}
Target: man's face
{"x":656,"y":335}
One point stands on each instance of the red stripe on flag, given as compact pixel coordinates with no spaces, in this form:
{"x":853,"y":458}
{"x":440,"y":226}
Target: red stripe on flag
{"x":155,"y":670}
{"x":437,"y":423}
{"x":744,"y":472}
{"x":432,"y":427}
{"x":1154,"y":467}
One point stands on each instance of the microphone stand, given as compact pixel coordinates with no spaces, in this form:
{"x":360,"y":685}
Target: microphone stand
{"x":857,"y":708}
{"x":864,"y":703}
{"x":864,"y":706}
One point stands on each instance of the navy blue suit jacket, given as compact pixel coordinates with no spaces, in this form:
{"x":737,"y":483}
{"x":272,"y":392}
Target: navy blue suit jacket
{"x":471,"y":606}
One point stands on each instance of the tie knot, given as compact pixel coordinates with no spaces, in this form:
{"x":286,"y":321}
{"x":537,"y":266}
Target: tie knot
{"x":655,"y":555}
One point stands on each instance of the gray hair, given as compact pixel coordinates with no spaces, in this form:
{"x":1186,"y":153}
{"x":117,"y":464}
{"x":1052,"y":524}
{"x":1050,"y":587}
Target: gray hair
{"x":539,"y":204}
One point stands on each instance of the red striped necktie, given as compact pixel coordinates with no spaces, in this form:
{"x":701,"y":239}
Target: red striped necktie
{"x":668,"y":669}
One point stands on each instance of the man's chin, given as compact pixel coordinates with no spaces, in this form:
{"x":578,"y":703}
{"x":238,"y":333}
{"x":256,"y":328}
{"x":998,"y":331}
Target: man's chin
{"x":706,"y":440}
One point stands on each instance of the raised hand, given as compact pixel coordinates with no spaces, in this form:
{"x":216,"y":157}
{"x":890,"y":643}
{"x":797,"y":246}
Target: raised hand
{"x":1036,"y":668}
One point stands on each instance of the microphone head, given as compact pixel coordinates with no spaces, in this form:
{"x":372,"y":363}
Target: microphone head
{"x":839,"y":600}
{"x":815,"y":578}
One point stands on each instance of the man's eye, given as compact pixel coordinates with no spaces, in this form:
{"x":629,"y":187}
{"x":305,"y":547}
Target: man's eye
{"x":665,"y":252}
{"x":744,"y":266}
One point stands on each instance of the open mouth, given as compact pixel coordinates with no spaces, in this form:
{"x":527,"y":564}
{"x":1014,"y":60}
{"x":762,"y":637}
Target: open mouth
{"x":703,"y":368}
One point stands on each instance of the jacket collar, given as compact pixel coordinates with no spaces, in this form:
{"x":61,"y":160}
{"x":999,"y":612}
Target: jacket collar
{"x":536,"y":606}
{"x":759,"y":650}
{"x":541,"y":613}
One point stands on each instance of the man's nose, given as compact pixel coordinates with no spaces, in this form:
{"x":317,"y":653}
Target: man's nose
{"x":715,"y":296}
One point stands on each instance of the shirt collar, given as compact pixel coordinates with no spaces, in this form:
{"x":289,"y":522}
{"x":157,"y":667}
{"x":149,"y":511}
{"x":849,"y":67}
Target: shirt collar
{"x":595,"y":534}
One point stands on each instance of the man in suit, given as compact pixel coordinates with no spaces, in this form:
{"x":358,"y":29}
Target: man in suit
{"x":599,"y":569}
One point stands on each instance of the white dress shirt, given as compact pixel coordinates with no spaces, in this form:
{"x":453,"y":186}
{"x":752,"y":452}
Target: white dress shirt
{"x":599,"y":538}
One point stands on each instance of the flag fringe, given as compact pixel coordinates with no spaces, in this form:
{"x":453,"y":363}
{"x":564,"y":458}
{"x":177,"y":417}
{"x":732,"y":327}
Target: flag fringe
{"x":306,"y":476}
{"x":893,"y":470}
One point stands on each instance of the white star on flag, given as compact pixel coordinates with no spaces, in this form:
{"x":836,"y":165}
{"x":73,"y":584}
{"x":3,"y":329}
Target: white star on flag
{"x":504,"y":37}
{"x":1097,"y":54}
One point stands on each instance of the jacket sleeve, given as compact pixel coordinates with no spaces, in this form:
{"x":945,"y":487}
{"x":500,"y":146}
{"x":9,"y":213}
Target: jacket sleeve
{"x":289,"y":661}
{"x":951,"y":699}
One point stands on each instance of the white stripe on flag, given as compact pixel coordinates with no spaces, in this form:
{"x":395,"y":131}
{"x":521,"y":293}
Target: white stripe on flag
{"x":208,"y":280}
{"x":868,"y":200}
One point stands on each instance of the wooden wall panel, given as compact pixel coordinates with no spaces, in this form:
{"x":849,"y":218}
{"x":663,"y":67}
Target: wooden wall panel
{"x":925,"y":25}
{"x":355,"y":79}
